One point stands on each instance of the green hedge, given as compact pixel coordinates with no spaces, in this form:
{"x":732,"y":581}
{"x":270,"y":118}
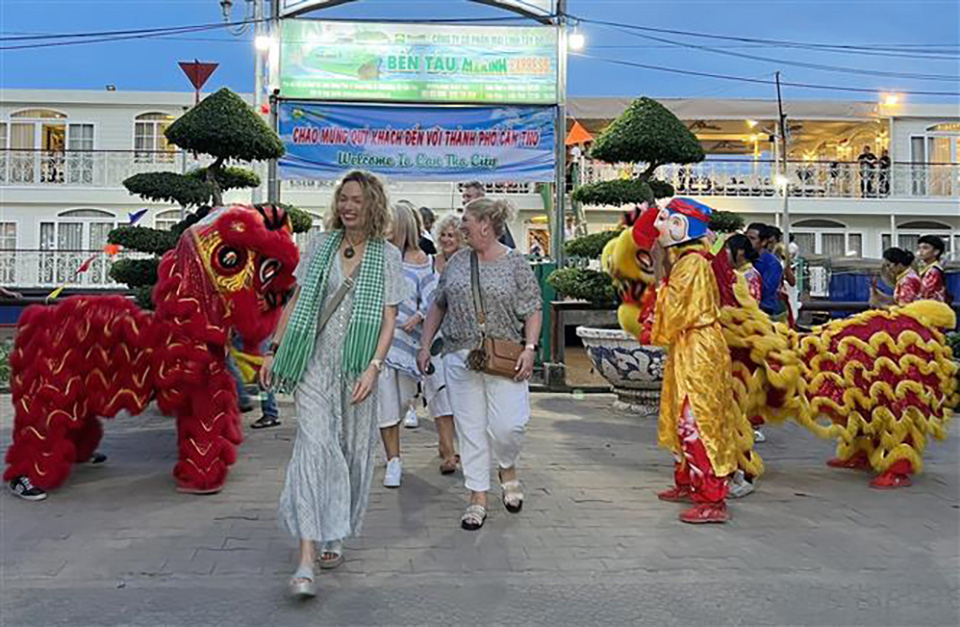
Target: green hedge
{"x":185,"y":191}
{"x":616,"y":193}
{"x":590,"y":246}
{"x":583,"y":284}
{"x":224,"y":126}
{"x":136,"y":272}
{"x":647,"y":132}
{"x":233,"y":177}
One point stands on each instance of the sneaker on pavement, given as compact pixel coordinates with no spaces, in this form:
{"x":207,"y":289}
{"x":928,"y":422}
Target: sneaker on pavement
{"x":23,"y":488}
{"x":739,"y":485}
{"x":758,"y":436}
{"x":391,"y":479}
{"x":411,"y":421}
{"x":97,"y":459}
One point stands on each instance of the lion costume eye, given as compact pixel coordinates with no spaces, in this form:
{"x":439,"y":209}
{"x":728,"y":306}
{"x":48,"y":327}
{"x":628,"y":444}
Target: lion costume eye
{"x":229,"y":260}
{"x":269,"y":269}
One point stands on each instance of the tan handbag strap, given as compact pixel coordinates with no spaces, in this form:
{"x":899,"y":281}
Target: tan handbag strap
{"x":337,"y":298}
{"x":477,"y":292}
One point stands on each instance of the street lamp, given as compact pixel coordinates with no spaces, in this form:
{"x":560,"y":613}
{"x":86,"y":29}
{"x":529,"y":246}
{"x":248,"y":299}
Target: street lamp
{"x":226,"y":6}
{"x":263,"y":43}
{"x":577,"y":41}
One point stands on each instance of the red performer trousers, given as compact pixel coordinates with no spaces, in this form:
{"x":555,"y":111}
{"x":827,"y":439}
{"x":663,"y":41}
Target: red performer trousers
{"x":694,"y":470}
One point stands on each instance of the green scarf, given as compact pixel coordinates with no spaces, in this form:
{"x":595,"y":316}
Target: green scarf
{"x":363,"y":331}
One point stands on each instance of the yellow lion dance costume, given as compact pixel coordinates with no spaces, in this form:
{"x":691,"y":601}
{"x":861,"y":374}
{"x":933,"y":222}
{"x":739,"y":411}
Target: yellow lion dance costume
{"x":880,"y":382}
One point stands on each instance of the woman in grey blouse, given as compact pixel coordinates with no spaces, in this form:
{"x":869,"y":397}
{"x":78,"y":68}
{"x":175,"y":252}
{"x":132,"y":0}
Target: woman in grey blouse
{"x":491,"y":412}
{"x":327,"y":485}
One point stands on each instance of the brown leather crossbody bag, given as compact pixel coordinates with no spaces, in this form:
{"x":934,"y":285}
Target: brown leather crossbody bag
{"x":495,"y":357}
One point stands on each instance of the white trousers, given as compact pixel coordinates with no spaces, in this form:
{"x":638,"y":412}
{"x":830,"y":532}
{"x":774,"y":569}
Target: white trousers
{"x":491,"y":415}
{"x":395,"y":391}
{"x":436,"y":391}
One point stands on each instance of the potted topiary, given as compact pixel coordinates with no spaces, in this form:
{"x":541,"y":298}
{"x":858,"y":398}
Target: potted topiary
{"x":648,"y":136}
{"x":224,"y":127}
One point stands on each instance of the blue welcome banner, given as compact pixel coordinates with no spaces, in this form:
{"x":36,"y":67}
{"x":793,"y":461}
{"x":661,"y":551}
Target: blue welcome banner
{"x":489,"y":144}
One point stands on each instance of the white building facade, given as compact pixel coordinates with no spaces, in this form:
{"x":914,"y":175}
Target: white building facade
{"x":65,"y":154}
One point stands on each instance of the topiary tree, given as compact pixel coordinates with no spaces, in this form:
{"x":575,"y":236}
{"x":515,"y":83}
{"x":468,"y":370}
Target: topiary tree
{"x":646,"y":133}
{"x":725,"y":221}
{"x":224,"y":127}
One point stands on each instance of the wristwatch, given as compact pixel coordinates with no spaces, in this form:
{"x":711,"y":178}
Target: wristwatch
{"x":377,"y":364}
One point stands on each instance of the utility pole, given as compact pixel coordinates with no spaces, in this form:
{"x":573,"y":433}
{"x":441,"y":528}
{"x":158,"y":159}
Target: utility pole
{"x":783,"y":166}
{"x":560,"y":196}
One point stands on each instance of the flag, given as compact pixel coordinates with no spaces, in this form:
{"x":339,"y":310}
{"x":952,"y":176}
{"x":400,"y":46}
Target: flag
{"x":136,"y":215}
{"x":85,"y":265}
{"x":52,"y":295}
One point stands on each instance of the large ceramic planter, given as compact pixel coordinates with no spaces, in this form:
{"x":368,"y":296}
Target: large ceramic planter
{"x":635,"y":371}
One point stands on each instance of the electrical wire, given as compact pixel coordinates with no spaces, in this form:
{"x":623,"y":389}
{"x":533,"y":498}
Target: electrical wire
{"x":814,"y":66}
{"x":745,"y":79}
{"x":849,"y":48}
{"x":146,"y":34}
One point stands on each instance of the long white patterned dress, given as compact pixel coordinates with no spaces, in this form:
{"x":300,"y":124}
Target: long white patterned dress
{"x":327,"y":487}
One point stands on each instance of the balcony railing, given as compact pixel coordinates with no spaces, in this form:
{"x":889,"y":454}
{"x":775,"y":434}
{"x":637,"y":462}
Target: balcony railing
{"x":81,"y":168}
{"x":804,"y":179}
{"x":53,"y":268}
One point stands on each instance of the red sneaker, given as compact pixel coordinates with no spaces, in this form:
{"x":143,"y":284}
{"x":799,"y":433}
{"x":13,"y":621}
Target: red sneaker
{"x":891,"y":481}
{"x":676,"y":494}
{"x":706,"y":513}
{"x":857,"y":462}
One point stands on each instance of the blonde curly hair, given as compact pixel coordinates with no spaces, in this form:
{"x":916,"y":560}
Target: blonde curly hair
{"x":376,"y":207}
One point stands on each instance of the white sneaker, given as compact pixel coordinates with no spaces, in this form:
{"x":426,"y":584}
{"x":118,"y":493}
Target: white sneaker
{"x":391,"y":479}
{"x":411,"y":421}
{"x":758,"y":436}
{"x":739,"y":487}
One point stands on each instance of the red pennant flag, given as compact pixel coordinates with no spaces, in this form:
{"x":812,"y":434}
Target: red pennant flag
{"x":86,"y":265}
{"x":198,"y":72}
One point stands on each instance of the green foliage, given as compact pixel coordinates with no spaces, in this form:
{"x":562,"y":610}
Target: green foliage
{"x":725,"y":222}
{"x":661,"y":189}
{"x":300,"y":220}
{"x":186,"y":191}
{"x":953,"y":341}
{"x":617,"y":193}
{"x":143,"y":239}
{"x":233,"y":177}
{"x":136,"y":272}
{"x":647,"y":132}
{"x":224,"y":126}
{"x":590,"y":246}
{"x":583,"y":284}
{"x":143,"y":297}
{"x":6,"y":348}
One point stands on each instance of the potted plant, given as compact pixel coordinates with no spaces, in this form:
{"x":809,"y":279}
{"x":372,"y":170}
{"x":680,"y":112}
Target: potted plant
{"x":224,"y":127}
{"x":650,"y":136}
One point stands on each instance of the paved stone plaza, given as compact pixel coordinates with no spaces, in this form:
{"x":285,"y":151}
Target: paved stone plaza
{"x":813,"y":546}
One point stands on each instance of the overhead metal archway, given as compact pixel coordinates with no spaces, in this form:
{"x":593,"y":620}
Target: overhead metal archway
{"x":541,"y":10}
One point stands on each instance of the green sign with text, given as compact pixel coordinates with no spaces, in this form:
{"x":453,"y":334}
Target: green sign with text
{"x":363,"y":61}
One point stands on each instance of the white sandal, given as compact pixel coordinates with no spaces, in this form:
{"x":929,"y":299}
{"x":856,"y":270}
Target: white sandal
{"x":306,"y":586}
{"x":331,"y":548}
{"x":512,"y":496}
{"x":474,"y":517}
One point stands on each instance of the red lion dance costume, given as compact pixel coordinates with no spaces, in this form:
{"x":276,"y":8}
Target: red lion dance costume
{"x":91,"y":357}
{"x":880,"y":382}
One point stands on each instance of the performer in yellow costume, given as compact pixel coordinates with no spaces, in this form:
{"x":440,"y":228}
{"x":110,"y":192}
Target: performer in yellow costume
{"x":700,"y":421}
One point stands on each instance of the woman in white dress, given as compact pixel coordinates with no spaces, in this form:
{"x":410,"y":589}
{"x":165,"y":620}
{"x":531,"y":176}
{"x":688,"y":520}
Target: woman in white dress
{"x":330,"y":347}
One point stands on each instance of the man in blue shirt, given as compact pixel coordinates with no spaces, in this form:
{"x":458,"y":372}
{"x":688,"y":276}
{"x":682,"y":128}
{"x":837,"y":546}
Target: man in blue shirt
{"x":769,"y":267}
